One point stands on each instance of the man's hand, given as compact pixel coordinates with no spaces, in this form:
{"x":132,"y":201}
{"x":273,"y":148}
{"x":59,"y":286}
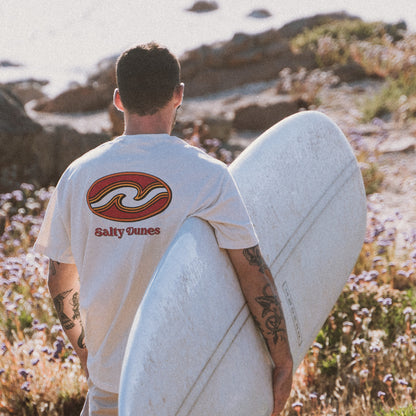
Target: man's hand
{"x":263,"y":301}
{"x":63,"y":282}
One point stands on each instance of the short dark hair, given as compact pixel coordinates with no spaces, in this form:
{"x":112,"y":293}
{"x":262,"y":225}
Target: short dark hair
{"x":147,"y":76}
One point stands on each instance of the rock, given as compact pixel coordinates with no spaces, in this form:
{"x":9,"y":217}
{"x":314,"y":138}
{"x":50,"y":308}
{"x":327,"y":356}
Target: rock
{"x":296,"y":27}
{"x":210,"y":80}
{"x":34,"y":154}
{"x":248,"y":58}
{"x":8,"y":64}
{"x":405,"y":144}
{"x":27,"y":90}
{"x":57,"y":147}
{"x":349,"y":72}
{"x":14,"y":122}
{"x":77,"y":100}
{"x":258,"y":117}
{"x":208,"y":69}
{"x":260,"y":14}
{"x":203,"y":6}
{"x":96,"y":95}
{"x":17,"y":131}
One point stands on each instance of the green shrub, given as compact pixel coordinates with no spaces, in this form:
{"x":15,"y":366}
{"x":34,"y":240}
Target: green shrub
{"x":397,"y":97}
{"x":407,"y":411}
{"x":331,"y":41}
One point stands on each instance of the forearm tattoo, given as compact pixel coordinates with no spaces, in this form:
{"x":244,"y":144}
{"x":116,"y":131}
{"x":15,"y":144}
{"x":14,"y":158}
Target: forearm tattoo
{"x":81,"y":340}
{"x":273,"y":314}
{"x":255,"y":258}
{"x":66,"y":321}
{"x":75,"y":306}
{"x":59,"y":302}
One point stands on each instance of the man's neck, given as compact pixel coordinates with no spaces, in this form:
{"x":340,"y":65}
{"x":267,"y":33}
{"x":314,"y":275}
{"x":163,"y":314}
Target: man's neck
{"x":159,"y":123}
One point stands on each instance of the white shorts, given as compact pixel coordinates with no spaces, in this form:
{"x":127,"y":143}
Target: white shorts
{"x":100,"y":402}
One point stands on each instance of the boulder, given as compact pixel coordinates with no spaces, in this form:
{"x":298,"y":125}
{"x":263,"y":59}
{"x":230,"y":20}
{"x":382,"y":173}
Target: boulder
{"x":26,"y":90}
{"x":260,"y":14}
{"x":79,"y":99}
{"x":5,"y":63}
{"x":203,"y":6}
{"x":96,"y":95}
{"x":35,"y":154}
{"x":261,"y":117}
{"x":349,"y":72}
{"x":14,"y":122}
{"x":17,"y":131}
{"x":57,"y":147}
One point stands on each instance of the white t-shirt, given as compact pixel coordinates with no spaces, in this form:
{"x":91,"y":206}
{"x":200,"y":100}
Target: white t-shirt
{"x":115,"y":211}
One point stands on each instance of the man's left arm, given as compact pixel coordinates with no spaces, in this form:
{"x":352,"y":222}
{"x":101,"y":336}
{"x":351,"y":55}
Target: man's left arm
{"x":64,"y":288}
{"x":258,"y":287}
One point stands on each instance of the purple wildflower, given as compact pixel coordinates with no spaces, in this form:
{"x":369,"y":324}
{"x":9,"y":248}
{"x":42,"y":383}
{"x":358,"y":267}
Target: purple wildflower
{"x":22,"y":372}
{"x":387,"y":377}
{"x":35,"y":361}
{"x":25,"y":387}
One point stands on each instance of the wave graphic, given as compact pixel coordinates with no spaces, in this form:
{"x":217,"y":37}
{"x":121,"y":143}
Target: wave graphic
{"x":128,"y":197}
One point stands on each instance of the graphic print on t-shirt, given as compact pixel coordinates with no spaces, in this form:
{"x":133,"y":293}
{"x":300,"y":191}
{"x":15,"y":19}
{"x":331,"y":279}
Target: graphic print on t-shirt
{"x":128,"y":196}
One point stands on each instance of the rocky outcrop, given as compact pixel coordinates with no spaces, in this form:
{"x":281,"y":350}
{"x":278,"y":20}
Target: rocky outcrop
{"x":57,"y":146}
{"x":261,"y":117}
{"x":208,"y":69}
{"x":14,"y":122}
{"x":96,"y":95}
{"x":27,"y":89}
{"x":16,"y":134}
{"x":248,"y":58}
{"x":34,"y":154}
{"x":76,"y":100}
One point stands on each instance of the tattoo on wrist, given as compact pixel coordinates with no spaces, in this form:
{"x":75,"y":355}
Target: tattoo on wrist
{"x":273,"y":314}
{"x":255,"y":258}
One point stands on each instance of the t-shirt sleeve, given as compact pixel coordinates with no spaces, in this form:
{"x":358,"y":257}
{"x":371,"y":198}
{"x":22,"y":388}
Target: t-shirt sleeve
{"x":53,"y":239}
{"x":228,"y":215}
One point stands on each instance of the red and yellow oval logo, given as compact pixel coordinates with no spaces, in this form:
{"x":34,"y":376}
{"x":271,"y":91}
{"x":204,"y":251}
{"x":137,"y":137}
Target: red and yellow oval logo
{"x":128,"y":196}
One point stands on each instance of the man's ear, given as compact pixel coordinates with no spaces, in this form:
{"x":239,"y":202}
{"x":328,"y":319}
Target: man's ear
{"x":179,"y":90}
{"x":117,"y":100}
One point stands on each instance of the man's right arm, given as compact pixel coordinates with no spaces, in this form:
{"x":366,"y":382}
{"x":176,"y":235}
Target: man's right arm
{"x":63,"y":282}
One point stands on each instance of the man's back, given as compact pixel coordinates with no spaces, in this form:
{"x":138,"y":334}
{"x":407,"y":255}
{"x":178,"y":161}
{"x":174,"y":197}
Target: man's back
{"x":122,"y":204}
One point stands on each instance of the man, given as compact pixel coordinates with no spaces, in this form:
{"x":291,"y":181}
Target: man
{"x":115,"y":211}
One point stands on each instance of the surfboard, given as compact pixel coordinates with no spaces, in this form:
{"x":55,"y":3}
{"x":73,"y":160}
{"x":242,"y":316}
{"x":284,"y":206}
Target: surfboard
{"x":193,"y":348}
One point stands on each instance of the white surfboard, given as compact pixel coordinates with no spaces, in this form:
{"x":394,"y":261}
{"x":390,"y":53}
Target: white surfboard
{"x":193,"y":349}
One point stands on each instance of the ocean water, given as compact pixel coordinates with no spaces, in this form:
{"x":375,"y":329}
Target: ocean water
{"x":62,"y":41}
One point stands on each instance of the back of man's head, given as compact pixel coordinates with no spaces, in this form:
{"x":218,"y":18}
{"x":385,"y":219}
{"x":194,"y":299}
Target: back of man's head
{"x":147,"y":76}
